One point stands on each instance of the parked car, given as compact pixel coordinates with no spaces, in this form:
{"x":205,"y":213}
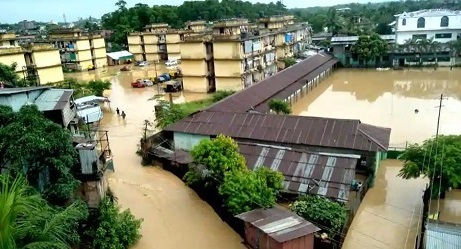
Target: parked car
{"x":143,"y":64}
{"x":171,"y":63}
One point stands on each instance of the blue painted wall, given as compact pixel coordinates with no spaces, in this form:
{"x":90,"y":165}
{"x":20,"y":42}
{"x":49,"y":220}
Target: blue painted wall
{"x":187,"y":141}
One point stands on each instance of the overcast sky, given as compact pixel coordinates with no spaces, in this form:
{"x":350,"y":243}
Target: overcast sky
{"x":12,"y":11}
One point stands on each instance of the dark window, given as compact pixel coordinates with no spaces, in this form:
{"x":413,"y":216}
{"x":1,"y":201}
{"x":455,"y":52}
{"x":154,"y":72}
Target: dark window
{"x":444,"y":21}
{"x":443,"y":36}
{"x":421,"y":23}
{"x":404,"y":22}
{"x":12,"y":43}
{"x":418,"y":37}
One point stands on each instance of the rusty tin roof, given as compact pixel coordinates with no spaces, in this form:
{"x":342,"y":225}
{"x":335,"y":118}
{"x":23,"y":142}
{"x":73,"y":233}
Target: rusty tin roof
{"x":287,"y":129}
{"x":279,"y":223}
{"x":276,"y":86}
{"x":328,"y":175}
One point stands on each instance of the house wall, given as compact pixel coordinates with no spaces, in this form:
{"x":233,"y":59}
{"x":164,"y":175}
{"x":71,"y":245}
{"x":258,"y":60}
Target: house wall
{"x":194,"y":84}
{"x":186,"y":141}
{"x":228,"y":68}
{"x":192,"y":50}
{"x":68,"y":114}
{"x":135,"y":49}
{"x":100,"y":52}
{"x":99,"y":43}
{"x":231,"y":50}
{"x":403,"y":36}
{"x":306,"y":242}
{"x":50,"y":74}
{"x":194,"y":68}
{"x":82,"y":44}
{"x":94,"y":191}
{"x":227,"y":83}
{"x":7,"y":57}
{"x":101,"y":62}
{"x":16,"y":101}
{"x":258,"y":239}
{"x":133,"y":39}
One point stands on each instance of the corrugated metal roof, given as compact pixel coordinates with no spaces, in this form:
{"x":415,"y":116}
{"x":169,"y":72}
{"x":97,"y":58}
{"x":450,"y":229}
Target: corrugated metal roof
{"x":279,"y":223}
{"x":305,"y":172}
{"x":356,"y":38}
{"x":53,"y":99}
{"x":120,"y":54}
{"x":443,"y":236}
{"x":8,"y":91}
{"x":269,"y":88}
{"x":287,"y":129}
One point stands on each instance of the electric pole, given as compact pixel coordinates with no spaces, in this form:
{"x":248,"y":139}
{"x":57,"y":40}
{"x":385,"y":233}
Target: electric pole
{"x":438,"y":117}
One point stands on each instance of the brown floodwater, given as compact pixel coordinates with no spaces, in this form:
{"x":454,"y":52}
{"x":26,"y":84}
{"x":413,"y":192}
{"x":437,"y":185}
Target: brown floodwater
{"x":389,"y":98}
{"x":174,"y":216}
{"x":389,"y":214}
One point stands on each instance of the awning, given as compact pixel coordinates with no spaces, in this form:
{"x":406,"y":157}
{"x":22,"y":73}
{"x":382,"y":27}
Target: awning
{"x":120,"y":55}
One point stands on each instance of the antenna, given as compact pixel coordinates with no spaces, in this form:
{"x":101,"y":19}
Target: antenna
{"x":65,"y":20}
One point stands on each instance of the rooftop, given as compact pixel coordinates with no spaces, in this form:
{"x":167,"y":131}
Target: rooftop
{"x":53,"y":99}
{"x":287,"y":129}
{"x":9,"y":91}
{"x":429,"y":13}
{"x":338,"y":39}
{"x":441,"y":235}
{"x":279,"y":223}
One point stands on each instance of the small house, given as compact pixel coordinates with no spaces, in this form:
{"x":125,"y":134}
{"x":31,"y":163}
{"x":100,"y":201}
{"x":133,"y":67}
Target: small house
{"x":119,"y":58}
{"x":277,"y":228}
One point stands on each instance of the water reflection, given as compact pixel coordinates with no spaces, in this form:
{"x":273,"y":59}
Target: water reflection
{"x":389,"y":98}
{"x":389,"y":215}
{"x":174,"y":216}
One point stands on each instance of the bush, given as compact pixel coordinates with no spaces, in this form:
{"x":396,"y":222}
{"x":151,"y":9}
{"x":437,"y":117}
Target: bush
{"x":222,"y":94}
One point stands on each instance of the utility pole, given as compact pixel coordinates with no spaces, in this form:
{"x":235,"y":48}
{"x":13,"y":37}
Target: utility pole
{"x":146,"y":123}
{"x":438,"y":117}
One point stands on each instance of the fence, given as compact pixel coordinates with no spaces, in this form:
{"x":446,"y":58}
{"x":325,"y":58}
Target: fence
{"x":396,"y":150}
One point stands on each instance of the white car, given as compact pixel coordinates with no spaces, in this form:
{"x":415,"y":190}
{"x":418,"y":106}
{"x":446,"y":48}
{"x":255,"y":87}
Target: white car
{"x":171,"y":63}
{"x":143,"y":64}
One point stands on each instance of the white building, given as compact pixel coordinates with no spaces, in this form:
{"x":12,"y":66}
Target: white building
{"x":440,"y":24}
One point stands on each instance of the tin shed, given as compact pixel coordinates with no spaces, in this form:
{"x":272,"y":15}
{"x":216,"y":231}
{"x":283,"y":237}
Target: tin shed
{"x":277,"y":228}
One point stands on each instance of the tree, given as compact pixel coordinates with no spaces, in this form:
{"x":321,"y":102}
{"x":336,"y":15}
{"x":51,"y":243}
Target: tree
{"x":9,"y":75}
{"x":29,"y":222}
{"x":333,"y":22}
{"x":113,"y":229}
{"x":437,"y":160}
{"x":279,"y":106}
{"x":274,"y":179}
{"x":244,"y":191}
{"x":97,"y":87}
{"x":219,"y":156}
{"x":326,"y":214}
{"x":290,"y":61}
{"x":41,"y":149}
{"x":369,"y":46}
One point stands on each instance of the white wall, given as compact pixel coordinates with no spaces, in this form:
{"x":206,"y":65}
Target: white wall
{"x":401,"y":37}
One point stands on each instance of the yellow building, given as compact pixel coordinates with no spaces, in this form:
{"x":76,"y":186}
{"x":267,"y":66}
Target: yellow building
{"x":39,"y":63}
{"x":158,"y":42}
{"x":234,"y":56}
{"x":78,"y":50}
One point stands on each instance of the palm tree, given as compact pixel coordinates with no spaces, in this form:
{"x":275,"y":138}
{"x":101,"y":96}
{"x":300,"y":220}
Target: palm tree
{"x":28,"y":222}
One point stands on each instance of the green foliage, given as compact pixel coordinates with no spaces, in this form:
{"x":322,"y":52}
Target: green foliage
{"x":29,"y":222}
{"x":221,"y":94}
{"x":219,"y":155}
{"x":369,"y":46}
{"x":289,"y":61}
{"x":328,"y":215}
{"x":244,"y":191}
{"x":82,"y":89}
{"x":439,"y":160}
{"x":9,"y":76}
{"x":125,"y":20}
{"x":114,"y":229}
{"x":279,"y":106}
{"x":34,"y":145}
{"x":274,"y":179}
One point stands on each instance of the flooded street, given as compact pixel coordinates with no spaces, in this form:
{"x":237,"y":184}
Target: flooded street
{"x":389,"y":214}
{"x":174,"y":216}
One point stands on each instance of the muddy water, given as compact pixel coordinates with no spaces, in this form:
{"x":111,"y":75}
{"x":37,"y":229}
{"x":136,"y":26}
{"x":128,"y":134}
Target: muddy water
{"x":174,"y":216}
{"x":389,"y":98}
{"x":389,"y":214}
{"x":450,"y":207}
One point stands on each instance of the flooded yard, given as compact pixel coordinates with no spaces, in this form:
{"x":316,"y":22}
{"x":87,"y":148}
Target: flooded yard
{"x":389,"y":214}
{"x":174,"y":216}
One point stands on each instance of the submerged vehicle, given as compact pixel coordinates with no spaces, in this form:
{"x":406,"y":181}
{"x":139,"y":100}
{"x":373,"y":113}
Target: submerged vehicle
{"x":139,"y":83}
{"x":172,"y":86}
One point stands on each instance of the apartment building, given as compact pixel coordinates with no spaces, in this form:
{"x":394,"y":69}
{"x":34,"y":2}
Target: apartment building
{"x":235,"y":56}
{"x":159,"y":42}
{"x":79,"y":51}
{"x":39,"y":63}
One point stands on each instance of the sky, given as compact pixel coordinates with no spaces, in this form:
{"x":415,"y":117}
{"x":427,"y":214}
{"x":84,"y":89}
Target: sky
{"x":13,"y":11}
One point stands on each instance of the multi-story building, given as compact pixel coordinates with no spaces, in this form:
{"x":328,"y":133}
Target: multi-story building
{"x":79,"y":51}
{"x":158,"y":42}
{"x":233,"y":56}
{"x":439,"y":24}
{"x":39,"y":63}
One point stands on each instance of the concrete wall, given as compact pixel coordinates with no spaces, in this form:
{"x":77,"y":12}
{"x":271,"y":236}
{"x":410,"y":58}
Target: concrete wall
{"x":50,"y":74}
{"x":46,"y":58}
{"x":194,"y":84}
{"x":134,"y":39}
{"x":99,"y":43}
{"x":9,"y":59}
{"x":150,"y":49}
{"x":134,"y":48}
{"x":228,"y":50}
{"x":149,"y":39}
{"x":234,"y":84}
{"x":228,"y":68}
{"x":191,"y":50}
{"x":194,"y":68}
{"x":100,"y":53}
{"x":82,"y":45}
{"x":172,"y":38}
{"x":84,"y":55}
{"x":101,"y":62}
{"x":94,"y":191}
{"x":173,"y":48}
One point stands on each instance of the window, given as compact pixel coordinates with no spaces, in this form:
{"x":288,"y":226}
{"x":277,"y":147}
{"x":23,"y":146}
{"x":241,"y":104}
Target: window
{"x":12,"y":43}
{"x":421,"y":23}
{"x":419,"y":37}
{"x":444,"y":21}
{"x":404,"y":22}
{"x":443,"y":36}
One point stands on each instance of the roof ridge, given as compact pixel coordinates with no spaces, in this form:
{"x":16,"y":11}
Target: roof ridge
{"x":371,"y":138}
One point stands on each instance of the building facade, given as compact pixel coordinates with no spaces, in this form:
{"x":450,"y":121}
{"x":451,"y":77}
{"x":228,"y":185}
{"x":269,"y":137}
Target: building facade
{"x":79,"y":51}
{"x":438,"y":24}
{"x":234,"y":56}
{"x":39,"y":63}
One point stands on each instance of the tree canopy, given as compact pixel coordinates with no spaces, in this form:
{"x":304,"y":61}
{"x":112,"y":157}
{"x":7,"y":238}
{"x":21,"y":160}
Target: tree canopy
{"x":279,"y":106}
{"x":9,"y":75}
{"x":369,"y":46}
{"x":435,"y":159}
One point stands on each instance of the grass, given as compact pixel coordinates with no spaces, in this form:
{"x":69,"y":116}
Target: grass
{"x":193,"y":106}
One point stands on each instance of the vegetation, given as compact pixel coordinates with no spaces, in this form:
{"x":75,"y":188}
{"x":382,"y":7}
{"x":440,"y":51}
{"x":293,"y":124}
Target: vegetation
{"x":175,"y":112}
{"x":242,"y":190}
{"x":28,"y":221}
{"x":369,"y":47}
{"x":289,"y":61}
{"x":115,"y":229}
{"x":326,"y":214}
{"x":125,"y":20}
{"x":437,"y":160}
{"x":279,"y":106}
{"x":82,"y":89}
{"x":9,"y":76}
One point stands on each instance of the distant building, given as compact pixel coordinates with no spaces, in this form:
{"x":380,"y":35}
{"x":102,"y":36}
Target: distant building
{"x":79,"y":51}
{"x":440,"y":24}
{"x":26,"y":25}
{"x":39,"y":63}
